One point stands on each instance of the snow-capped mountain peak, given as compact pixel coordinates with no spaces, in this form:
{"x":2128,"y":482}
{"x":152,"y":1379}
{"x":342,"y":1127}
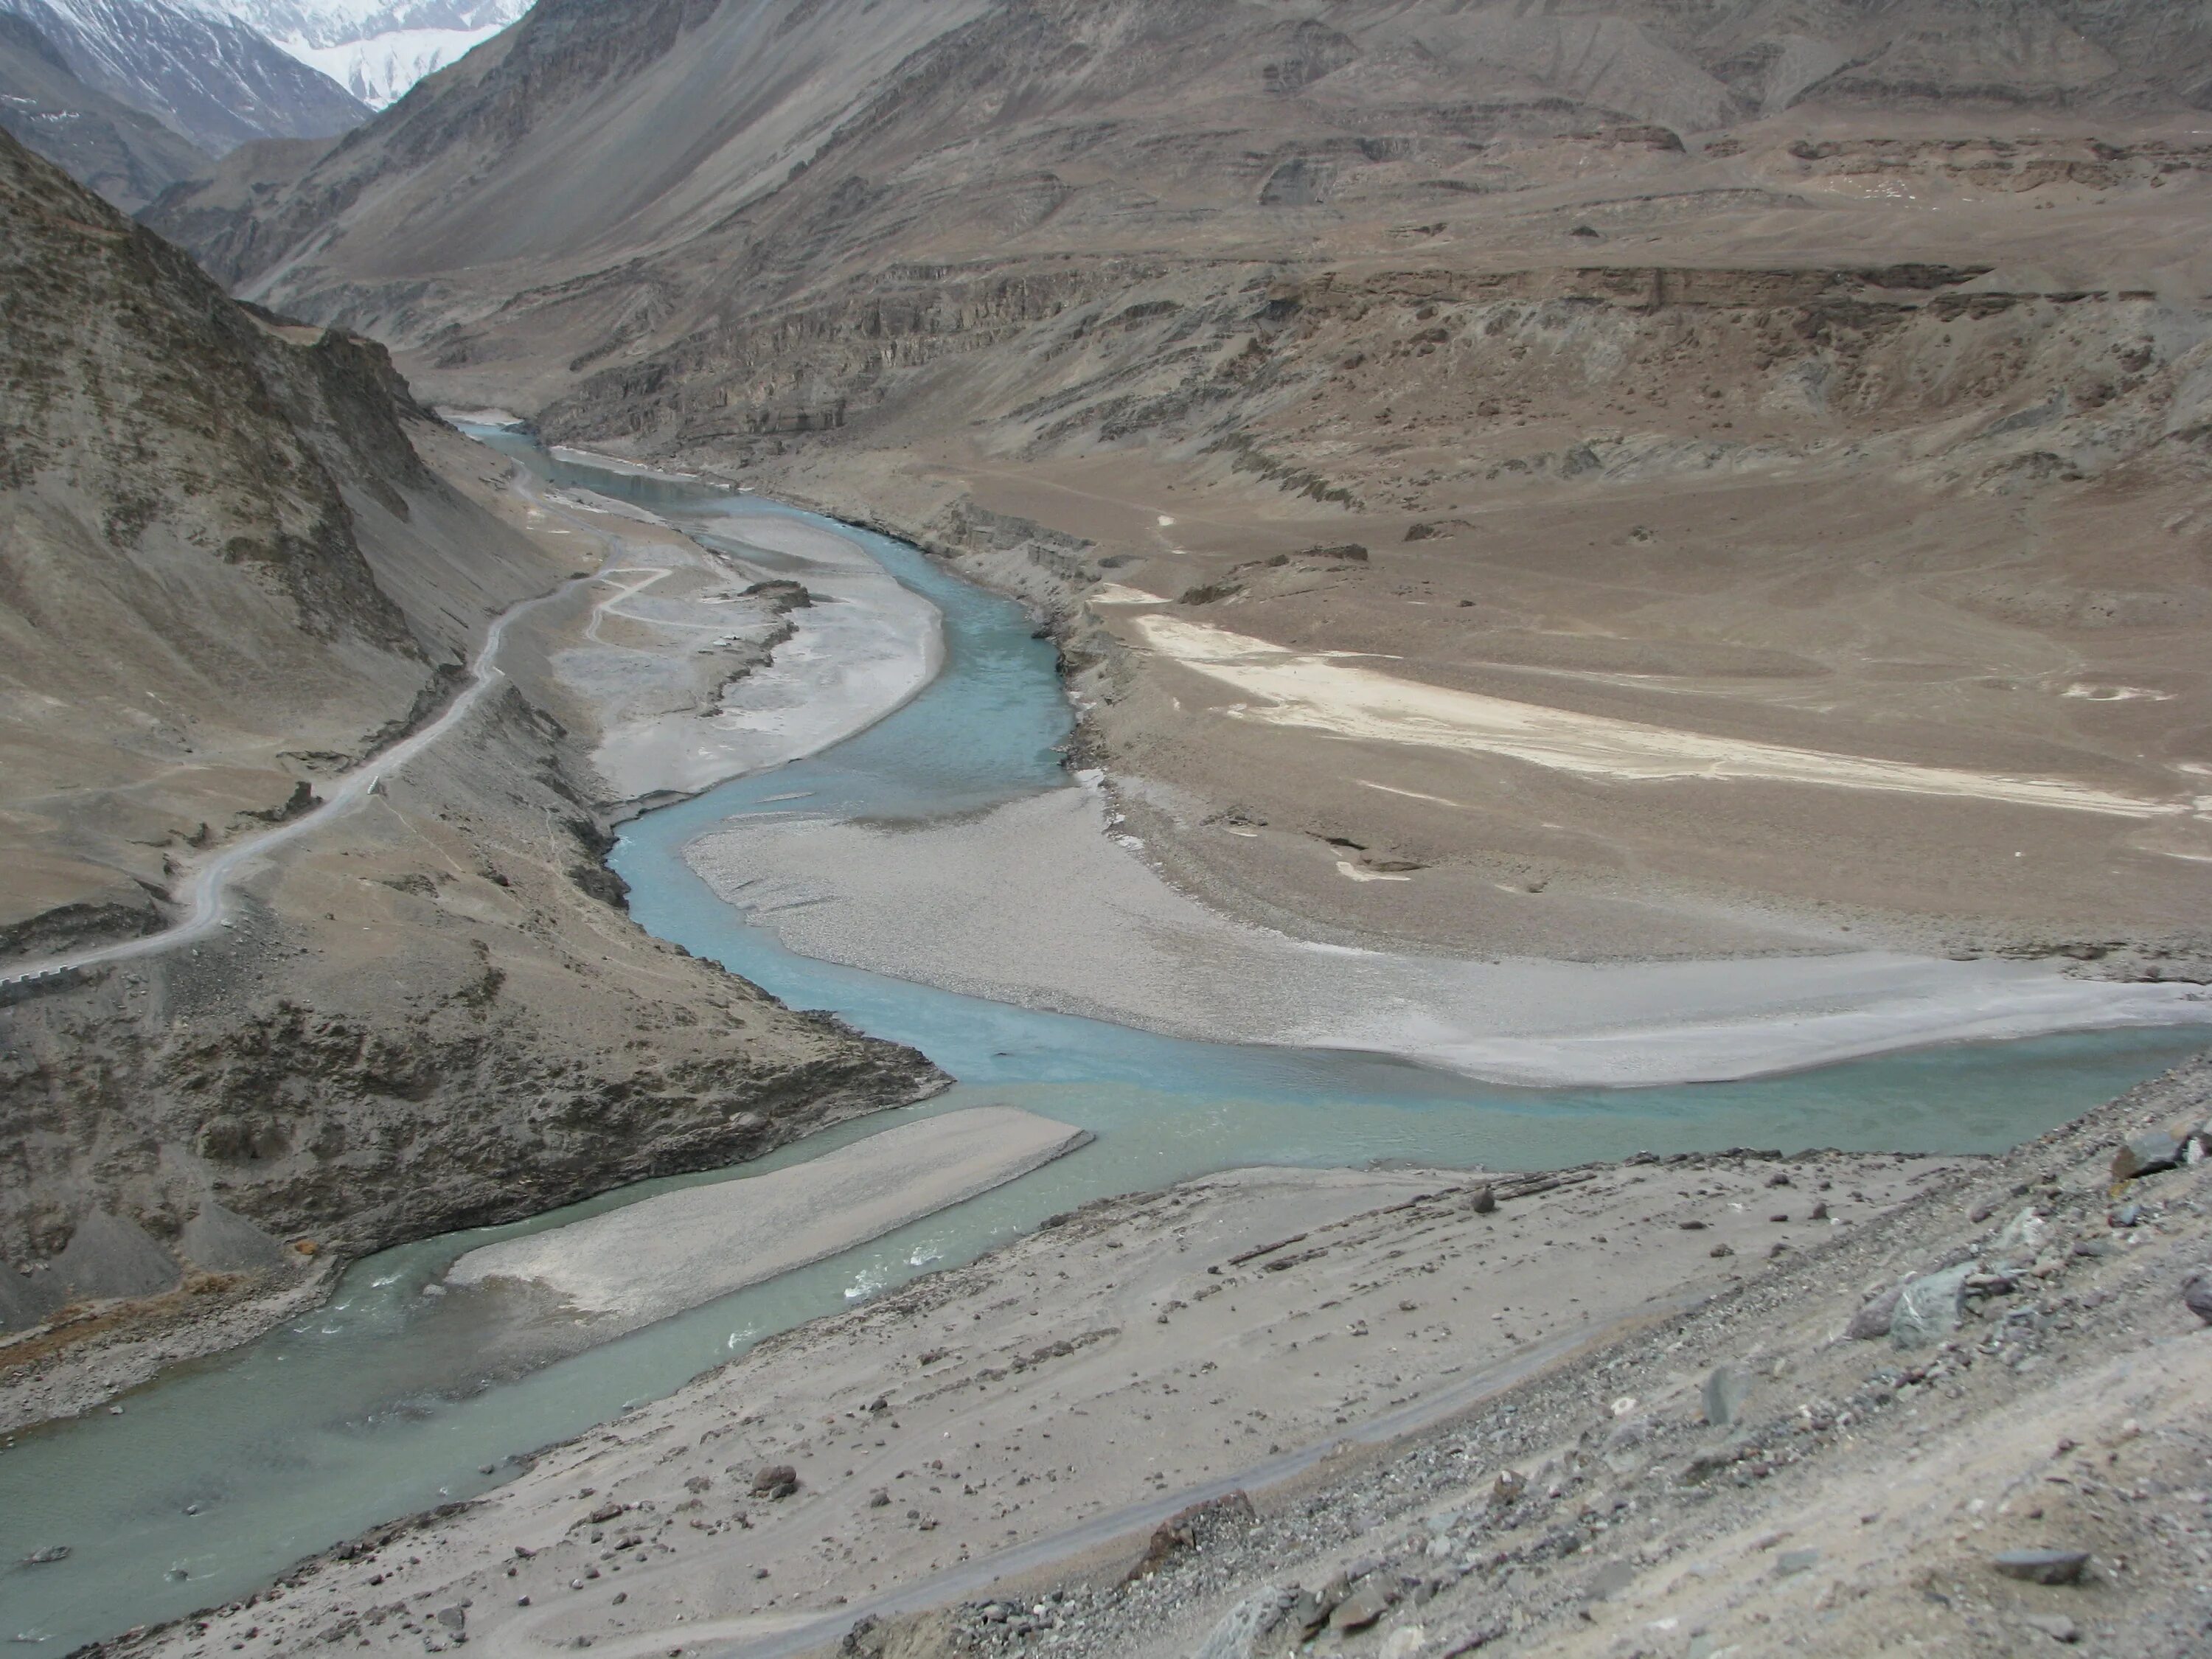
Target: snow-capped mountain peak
{"x":376,"y":49}
{"x":192,"y":65}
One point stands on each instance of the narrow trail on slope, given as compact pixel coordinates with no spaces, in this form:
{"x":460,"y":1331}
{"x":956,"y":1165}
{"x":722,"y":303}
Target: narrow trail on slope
{"x":206,"y":890}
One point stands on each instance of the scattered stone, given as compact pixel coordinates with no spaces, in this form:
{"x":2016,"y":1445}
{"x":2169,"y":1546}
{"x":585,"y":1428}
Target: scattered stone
{"x":1508,"y":1487}
{"x":1723,"y":1395}
{"x":2022,"y":1238}
{"x":1351,"y":551}
{"x":1791,"y":1562}
{"x":453,"y":1619}
{"x":1819,"y":1211}
{"x":1368,"y":1603}
{"x":1245,"y":1628}
{"x":1720,"y":1250}
{"x":2042,"y":1567}
{"x":47,"y":1557}
{"x":2197,"y":1294}
{"x":2146,"y":1154}
{"x":1484,"y":1201}
{"x":2057,"y":1625}
{"x":1873,"y":1319}
{"x":775,"y":1482}
{"x":1611,"y":1579}
{"x":1187,"y":1529}
{"x":1928,"y":1310}
{"x":1403,"y":1642}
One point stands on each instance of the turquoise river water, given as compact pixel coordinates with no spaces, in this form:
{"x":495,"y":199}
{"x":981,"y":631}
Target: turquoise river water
{"x":215,"y":1477}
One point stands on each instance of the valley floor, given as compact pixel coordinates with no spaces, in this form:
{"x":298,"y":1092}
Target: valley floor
{"x":1447,"y":1426}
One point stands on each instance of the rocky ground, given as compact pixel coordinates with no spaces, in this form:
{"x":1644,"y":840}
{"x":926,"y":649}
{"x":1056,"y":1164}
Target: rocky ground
{"x":1613,"y":1409}
{"x":1806,"y":1463}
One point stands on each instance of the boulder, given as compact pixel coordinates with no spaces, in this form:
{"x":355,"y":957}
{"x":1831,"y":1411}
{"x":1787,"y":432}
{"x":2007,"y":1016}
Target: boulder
{"x":2197,"y":1294}
{"x":774,"y":1482}
{"x":2022,"y":1238}
{"x":1927,"y":1309}
{"x":223,"y":1241}
{"x":1243,"y":1630}
{"x":1189,"y":1529}
{"x":2042,"y":1567}
{"x":109,"y":1256}
{"x":1368,"y":1603}
{"x":1723,"y":1395}
{"x":1872,"y":1321}
{"x":2146,"y":1154}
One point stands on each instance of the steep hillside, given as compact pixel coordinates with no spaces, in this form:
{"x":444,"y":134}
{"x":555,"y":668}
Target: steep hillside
{"x":126,"y":155}
{"x":210,"y":77}
{"x":235,"y":558}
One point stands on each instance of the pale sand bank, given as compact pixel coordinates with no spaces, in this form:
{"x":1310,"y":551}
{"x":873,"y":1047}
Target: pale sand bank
{"x":683,"y":1249}
{"x":860,"y":649}
{"x":1321,"y":692}
{"x":1036,"y":903}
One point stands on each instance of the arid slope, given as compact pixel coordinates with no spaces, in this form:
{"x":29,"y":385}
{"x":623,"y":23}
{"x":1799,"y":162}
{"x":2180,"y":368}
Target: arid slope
{"x":237,"y":557}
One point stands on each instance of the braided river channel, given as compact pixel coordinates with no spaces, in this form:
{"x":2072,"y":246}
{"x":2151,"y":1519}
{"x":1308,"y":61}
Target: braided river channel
{"x":385,"y":1401}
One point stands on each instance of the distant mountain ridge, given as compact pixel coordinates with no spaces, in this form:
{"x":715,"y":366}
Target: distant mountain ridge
{"x":123,"y":153}
{"x":376,"y":49}
{"x":215,"y":80}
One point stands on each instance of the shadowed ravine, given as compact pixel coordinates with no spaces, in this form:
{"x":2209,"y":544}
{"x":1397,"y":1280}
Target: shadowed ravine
{"x":389,"y":1400}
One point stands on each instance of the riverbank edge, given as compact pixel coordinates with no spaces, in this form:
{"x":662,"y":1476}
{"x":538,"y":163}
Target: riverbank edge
{"x":126,"y":1344}
{"x":1356,"y":1457}
{"x":1051,"y":574}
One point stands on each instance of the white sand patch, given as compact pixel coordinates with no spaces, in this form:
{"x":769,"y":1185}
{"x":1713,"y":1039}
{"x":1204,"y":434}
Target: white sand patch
{"x":1034,"y":903}
{"x":862,"y":649}
{"x":1121,"y":593}
{"x":1351,"y":871}
{"x":616,"y":464}
{"x":1321,"y":692}
{"x":681,"y":1249}
{"x":1415,"y":794}
{"x":2117,"y":693}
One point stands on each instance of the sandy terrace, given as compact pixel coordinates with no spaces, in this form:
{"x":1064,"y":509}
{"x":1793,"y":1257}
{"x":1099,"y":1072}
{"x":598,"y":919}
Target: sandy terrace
{"x":1140,"y":1347}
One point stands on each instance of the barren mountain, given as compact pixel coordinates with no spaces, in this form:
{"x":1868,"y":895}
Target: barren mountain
{"x":1828,"y":378}
{"x":236,"y":558}
{"x":126,"y":155}
{"x":207,"y":75}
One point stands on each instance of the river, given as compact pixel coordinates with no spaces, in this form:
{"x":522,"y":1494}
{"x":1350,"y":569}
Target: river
{"x":215,"y":1477}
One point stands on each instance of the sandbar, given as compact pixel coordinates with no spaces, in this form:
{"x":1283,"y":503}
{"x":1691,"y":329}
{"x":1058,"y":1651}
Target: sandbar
{"x":681,"y":1249}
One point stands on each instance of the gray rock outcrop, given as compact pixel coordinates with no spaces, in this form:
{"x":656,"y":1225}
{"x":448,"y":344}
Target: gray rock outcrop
{"x":223,"y":1241}
{"x":109,"y":1256}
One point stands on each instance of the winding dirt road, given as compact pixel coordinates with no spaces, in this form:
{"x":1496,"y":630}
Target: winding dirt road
{"x":205,"y":891}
